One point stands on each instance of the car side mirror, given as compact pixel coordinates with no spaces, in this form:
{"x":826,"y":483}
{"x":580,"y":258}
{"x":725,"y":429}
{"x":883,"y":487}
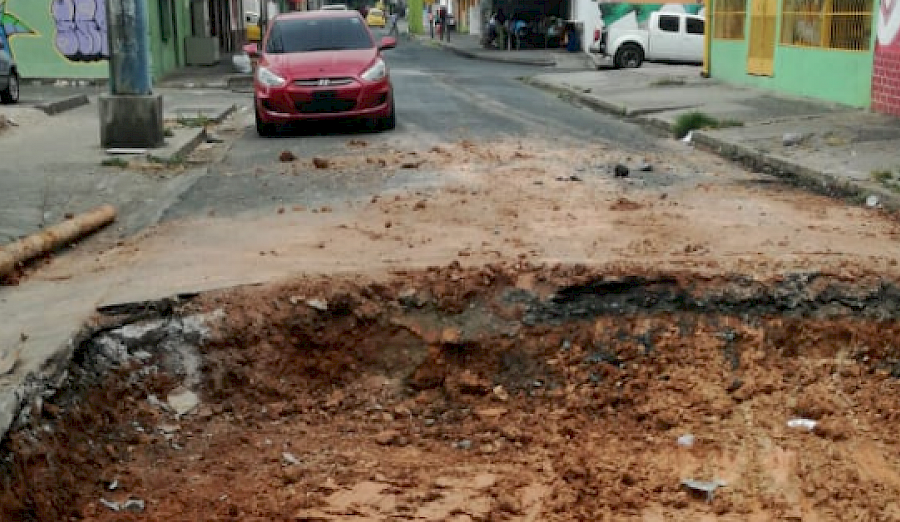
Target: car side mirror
{"x":252,"y":50}
{"x":388,"y":42}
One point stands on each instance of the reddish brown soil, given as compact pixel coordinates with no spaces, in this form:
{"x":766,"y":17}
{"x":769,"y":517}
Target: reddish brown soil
{"x":423,"y":397}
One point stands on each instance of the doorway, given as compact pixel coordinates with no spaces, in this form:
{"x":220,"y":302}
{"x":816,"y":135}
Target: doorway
{"x":761,"y":44}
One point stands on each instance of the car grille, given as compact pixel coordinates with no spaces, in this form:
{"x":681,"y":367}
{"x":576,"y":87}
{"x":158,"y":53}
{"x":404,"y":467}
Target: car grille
{"x":323,"y":82}
{"x":324,"y":102}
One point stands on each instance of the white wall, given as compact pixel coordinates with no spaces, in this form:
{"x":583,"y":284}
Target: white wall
{"x":589,"y":14}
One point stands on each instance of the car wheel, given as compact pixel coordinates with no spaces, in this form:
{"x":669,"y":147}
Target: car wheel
{"x":389,"y":122}
{"x":263,"y":128}
{"x":11,"y":93}
{"x":629,"y":56}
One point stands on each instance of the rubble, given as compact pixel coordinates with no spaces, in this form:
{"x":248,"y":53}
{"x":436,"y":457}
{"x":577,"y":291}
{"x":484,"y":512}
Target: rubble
{"x":493,"y":396}
{"x":183,"y":401}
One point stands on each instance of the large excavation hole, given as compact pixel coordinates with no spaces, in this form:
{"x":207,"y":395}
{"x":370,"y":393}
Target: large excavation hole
{"x":494,"y":393}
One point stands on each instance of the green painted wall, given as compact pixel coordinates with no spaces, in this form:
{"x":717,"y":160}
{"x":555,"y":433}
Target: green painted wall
{"x":169,"y":25}
{"x":46,"y":52}
{"x":414,"y":16}
{"x":67,"y":38}
{"x":799,"y":70}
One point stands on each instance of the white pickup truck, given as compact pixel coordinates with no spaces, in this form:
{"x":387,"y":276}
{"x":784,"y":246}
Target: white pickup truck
{"x":668,"y":37}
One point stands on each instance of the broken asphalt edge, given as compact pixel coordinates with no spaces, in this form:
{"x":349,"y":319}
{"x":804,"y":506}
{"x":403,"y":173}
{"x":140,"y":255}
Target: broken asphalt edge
{"x":63,"y":104}
{"x":588,"y":101}
{"x":791,"y":172}
{"x":48,"y":378}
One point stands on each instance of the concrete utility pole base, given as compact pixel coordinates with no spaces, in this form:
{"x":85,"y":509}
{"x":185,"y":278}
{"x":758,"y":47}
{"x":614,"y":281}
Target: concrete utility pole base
{"x":129,"y":121}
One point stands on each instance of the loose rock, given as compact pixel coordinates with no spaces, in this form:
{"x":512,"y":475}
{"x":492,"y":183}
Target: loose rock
{"x":183,"y":401}
{"x":286,"y":156}
{"x":318,"y":304}
{"x":708,"y":488}
{"x":134,"y":505}
{"x":389,"y":438}
{"x":789,"y":139}
{"x":687,"y":440}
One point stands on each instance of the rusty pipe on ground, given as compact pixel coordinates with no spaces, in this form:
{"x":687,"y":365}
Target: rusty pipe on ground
{"x":57,"y":236}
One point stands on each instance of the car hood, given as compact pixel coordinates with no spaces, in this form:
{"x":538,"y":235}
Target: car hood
{"x":318,"y":64}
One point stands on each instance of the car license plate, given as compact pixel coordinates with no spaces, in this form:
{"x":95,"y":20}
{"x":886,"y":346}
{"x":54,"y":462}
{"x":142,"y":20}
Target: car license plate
{"x":324,"y":95}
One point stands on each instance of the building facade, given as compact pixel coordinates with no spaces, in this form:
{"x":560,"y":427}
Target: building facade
{"x":886,"y":75}
{"x":817,"y":48}
{"x":67,"y":39}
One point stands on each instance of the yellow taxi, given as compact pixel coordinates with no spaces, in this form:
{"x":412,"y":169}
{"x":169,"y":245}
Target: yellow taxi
{"x":376,"y":18}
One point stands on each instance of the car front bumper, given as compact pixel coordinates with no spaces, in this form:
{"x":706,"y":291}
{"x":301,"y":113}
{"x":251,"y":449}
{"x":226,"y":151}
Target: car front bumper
{"x":300,"y":103}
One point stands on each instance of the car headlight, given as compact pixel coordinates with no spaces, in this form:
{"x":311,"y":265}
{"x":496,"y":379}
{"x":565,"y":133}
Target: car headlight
{"x":377,"y":72}
{"x":268,"y":78}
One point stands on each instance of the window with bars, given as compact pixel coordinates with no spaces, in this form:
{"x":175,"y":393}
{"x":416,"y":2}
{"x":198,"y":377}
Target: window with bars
{"x":830,"y":24}
{"x":728,"y":19}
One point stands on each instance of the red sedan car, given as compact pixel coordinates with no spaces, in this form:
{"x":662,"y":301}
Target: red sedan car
{"x":319,"y":65}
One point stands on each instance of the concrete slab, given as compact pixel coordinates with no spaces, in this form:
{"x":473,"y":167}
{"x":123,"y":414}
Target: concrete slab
{"x":131,"y":120}
{"x":44,"y":346}
{"x":54,"y":107}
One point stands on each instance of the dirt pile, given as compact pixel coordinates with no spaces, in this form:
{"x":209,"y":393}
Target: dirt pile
{"x":492,"y":393}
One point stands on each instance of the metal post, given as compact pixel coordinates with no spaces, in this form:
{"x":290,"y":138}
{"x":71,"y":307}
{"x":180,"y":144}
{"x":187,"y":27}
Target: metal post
{"x":129,"y":47}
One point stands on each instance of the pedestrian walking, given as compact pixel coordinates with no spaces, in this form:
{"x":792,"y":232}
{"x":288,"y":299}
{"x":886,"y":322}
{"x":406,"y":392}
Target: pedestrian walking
{"x":445,"y":33}
{"x":394,"y":30}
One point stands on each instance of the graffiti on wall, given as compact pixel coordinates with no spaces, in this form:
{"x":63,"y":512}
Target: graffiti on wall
{"x":11,"y":25}
{"x":81,"y":29}
{"x":889,"y":22}
{"x":637,"y":15}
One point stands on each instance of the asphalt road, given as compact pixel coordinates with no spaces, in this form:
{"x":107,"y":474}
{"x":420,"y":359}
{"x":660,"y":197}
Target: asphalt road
{"x":440,"y":98}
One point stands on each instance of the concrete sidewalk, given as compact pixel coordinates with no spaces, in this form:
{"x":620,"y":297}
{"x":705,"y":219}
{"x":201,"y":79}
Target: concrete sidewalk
{"x":829,"y":148}
{"x":54,"y":166}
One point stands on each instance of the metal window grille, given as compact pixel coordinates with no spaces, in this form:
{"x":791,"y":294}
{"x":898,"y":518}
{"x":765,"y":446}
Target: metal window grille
{"x":728,"y":19}
{"x":829,"y":24}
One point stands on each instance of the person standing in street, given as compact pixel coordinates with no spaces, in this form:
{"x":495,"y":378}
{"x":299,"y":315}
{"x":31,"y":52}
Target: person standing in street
{"x":394,"y":30}
{"x":431,"y":22}
{"x":445,"y":31}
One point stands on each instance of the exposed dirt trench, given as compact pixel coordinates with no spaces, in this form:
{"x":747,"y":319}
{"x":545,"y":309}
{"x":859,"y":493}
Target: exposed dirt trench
{"x":504,"y":392}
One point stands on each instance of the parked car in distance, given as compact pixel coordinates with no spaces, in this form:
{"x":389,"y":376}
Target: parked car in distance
{"x":9,"y":77}
{"x":321,"y":65}
{"x":375,"y":18}
{"x":335,"y":7}
{"x":669,"y":37}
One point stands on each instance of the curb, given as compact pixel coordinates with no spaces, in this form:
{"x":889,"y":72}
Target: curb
{"x":589,"y":101}
{"x":57,"y":106}
{"x":486,"y":56}
{"x":182,"y":150}
{"x":238,"y":81}
{"x":814,"y":180}
{"x":499,"y":59}
{"x":68,"y":82}
{"x":785,"y":169}
{"x":199,"y":136}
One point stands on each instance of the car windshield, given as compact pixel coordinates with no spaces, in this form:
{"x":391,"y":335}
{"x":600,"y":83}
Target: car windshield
{"x":323,"y":34}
